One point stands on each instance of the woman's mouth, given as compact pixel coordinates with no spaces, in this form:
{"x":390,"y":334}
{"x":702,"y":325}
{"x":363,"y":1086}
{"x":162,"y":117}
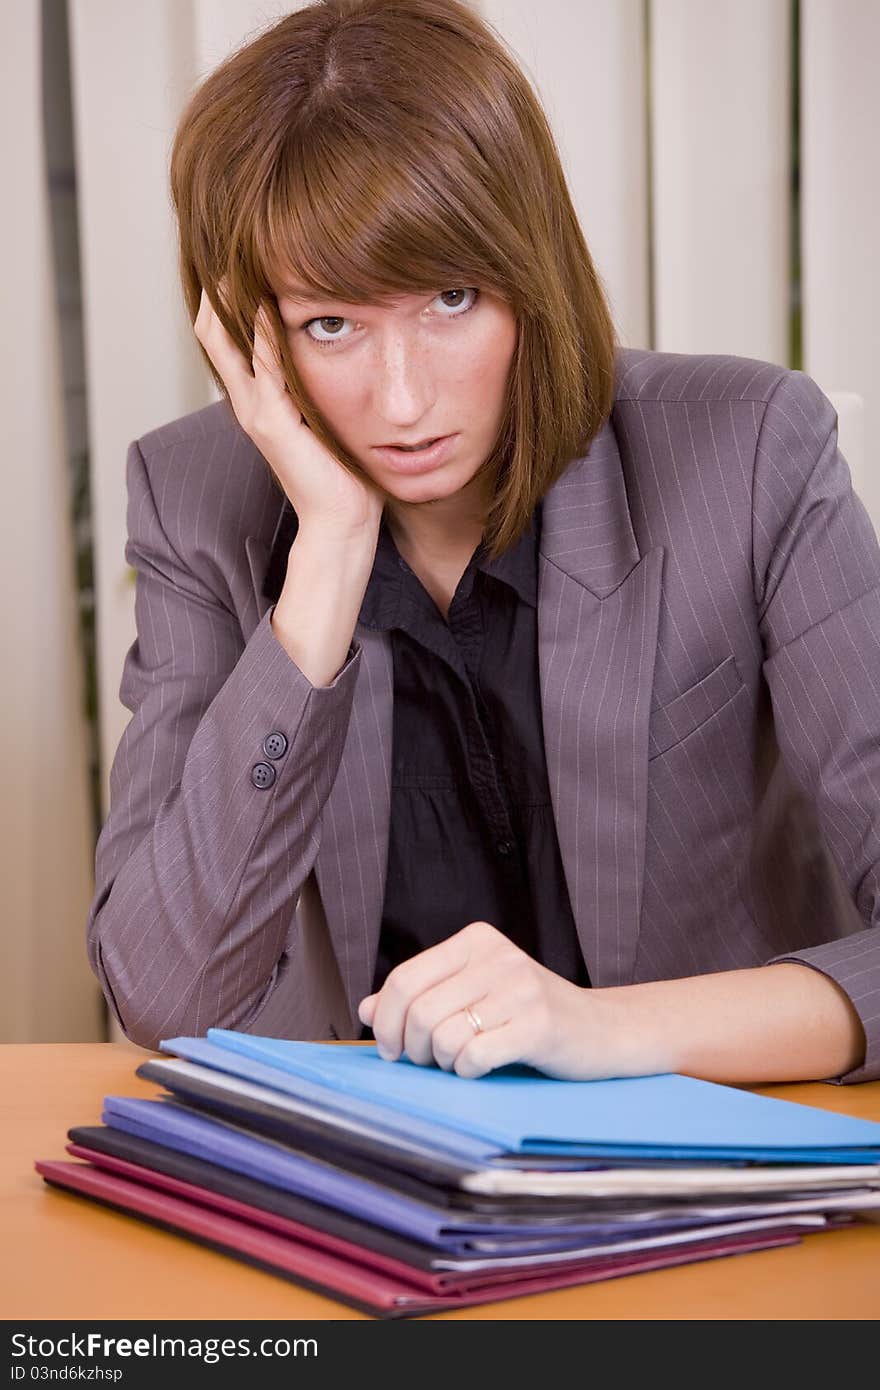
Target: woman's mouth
{"x":416,"y":458}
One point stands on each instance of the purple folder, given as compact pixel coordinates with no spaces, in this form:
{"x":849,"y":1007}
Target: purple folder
{"x":216,"y":1142}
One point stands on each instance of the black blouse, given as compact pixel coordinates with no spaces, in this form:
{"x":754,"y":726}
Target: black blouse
{"x":472,"y":834}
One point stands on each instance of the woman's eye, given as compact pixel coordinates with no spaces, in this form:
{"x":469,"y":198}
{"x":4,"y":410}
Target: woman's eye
{"x":459,"y":301}
{"x":327,"y":330}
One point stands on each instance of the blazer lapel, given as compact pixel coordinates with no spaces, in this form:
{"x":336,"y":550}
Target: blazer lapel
{"x":598,"y":605}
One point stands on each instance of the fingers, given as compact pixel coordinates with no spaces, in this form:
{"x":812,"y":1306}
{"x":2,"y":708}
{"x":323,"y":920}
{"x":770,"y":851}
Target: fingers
{"x":367,"y":1008}
{"x":438,"y":1029}
{"x":266,"y":368}
{"x":407,"y":982}
{"x":481,"y":1053}
{"x":386,"y":1011}
{"x":451,"y":1037}
{"x":265,"y":379}
{"x":427,"y":1015}
{"x":225,"y":356}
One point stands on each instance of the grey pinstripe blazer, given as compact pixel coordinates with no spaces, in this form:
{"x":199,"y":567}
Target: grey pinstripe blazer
{"x":709,"y":652}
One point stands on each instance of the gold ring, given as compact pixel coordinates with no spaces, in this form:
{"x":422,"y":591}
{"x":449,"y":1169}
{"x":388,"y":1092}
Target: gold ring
{"x":473,"y":1019}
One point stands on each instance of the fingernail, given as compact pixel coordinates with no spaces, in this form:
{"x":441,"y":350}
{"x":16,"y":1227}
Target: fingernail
{"x":385,"y":1053}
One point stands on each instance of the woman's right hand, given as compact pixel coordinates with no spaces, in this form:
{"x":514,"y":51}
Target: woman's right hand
{"x":323,"y":493}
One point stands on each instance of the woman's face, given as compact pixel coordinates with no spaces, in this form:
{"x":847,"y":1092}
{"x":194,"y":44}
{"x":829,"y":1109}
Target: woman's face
{"x":426,"y":367}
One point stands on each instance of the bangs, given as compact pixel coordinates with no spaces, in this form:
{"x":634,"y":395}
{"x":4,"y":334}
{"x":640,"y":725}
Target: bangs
{"x":353,"y":217}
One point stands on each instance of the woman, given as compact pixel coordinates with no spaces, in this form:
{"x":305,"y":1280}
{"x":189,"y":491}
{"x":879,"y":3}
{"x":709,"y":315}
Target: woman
{"x":526,"y":706}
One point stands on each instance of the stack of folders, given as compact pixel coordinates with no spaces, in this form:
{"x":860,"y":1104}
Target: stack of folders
{"x":404,"y":1190}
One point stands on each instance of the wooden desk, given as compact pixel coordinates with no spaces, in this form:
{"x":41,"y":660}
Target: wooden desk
{"x":66,"y":1258}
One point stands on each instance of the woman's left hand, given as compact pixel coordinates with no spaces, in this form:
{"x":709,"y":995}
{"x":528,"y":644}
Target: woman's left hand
{"x":525,"y":1012}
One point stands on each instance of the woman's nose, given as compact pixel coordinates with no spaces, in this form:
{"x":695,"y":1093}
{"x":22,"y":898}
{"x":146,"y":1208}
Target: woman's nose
{"x":404,"y":387}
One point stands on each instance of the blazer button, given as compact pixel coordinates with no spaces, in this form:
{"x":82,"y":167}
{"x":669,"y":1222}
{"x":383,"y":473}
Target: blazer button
{"x":275,"y":745}
{"x":262,"y":775}
{"x":504,"y":847}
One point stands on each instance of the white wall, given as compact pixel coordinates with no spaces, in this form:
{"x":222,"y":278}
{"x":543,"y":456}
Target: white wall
{"x":721,"y":93}
{"x":587,"y":63}
{"x":840,"y":225}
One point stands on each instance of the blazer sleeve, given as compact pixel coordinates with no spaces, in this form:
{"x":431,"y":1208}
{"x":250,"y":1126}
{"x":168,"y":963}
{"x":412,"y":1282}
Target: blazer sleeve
{"x":198,"y":870}
{"x":817,"y":586}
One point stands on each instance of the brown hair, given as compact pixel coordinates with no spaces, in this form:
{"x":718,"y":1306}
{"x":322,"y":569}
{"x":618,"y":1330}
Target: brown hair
{"x":371,"y":148}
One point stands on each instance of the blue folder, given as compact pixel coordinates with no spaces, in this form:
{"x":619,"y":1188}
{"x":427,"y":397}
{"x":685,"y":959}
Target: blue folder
{"x":412,"y":1132}
{"x":519,"y":1110}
